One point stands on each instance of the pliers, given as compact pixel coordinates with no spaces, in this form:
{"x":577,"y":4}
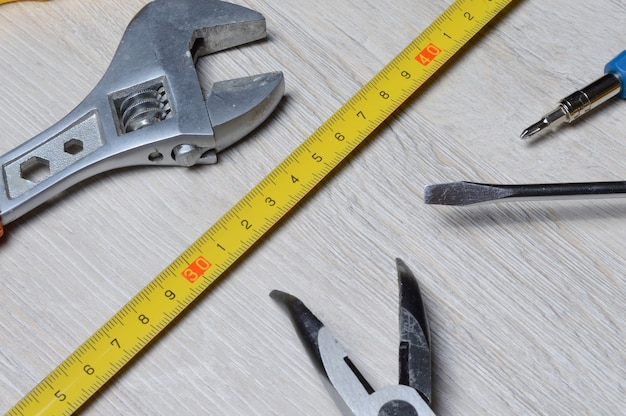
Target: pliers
{"x":412,"y":395}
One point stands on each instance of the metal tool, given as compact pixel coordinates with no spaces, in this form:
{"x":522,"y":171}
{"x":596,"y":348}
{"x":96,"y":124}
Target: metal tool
{"x":148,"y":108}
{"x":575,"y":105}
{"x":412,"y":396}
{"x":468,"y":193}
{"x":195,"y":270}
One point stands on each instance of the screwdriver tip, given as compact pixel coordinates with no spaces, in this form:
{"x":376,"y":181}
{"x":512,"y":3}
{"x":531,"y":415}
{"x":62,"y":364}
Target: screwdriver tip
{"x":534,"y":129}
{"x":554,"y":118}
{"x":463,"y":193}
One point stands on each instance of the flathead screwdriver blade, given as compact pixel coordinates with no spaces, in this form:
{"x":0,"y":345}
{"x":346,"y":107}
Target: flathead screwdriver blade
{"x":469,"y":193}
{"x":463,"y":193}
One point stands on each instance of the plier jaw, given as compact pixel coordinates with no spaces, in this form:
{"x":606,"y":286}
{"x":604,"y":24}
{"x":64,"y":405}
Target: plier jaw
{"x":412,"y":395}
{"x":414,"y":361}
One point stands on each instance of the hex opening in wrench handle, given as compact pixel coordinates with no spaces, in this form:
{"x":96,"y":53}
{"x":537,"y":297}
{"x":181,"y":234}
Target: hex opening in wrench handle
{"x":148,"y":108}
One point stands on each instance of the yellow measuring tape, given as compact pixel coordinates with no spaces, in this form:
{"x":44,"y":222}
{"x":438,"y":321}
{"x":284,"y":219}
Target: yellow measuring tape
{"x":113,"y":345}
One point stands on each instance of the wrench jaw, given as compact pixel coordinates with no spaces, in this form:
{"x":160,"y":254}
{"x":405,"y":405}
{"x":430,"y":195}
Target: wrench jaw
{"x":148,"y":108}
{"x":238,"y":106}
{"x":218,"y":38}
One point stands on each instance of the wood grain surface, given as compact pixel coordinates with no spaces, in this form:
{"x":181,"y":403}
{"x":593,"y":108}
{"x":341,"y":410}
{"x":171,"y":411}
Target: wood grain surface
{"x":526,"y":300}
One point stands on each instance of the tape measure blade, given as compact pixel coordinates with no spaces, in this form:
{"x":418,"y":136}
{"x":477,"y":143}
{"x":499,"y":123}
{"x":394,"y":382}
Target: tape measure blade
{"x":99,"y":358}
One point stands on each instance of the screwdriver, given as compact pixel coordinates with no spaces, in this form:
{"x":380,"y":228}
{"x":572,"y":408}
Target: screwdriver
{"x":468,"y":193}
{"x":575,"y":105}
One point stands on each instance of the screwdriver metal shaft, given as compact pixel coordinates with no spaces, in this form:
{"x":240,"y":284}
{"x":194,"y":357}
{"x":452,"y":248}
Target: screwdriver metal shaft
{"x":580,"y":102}
{"x":468,"y":193}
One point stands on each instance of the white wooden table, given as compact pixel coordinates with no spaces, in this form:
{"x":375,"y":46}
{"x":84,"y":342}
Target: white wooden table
{"x":526,"y":300}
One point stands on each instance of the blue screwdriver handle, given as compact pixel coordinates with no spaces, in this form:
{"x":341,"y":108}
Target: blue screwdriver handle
{"x":617,"y":67}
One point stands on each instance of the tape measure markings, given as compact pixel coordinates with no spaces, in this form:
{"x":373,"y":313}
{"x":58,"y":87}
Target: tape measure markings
{"x":138,"y":322}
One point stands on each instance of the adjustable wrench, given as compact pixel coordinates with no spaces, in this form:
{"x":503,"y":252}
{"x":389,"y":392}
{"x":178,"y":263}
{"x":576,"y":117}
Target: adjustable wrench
{"x":148,"y":108}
